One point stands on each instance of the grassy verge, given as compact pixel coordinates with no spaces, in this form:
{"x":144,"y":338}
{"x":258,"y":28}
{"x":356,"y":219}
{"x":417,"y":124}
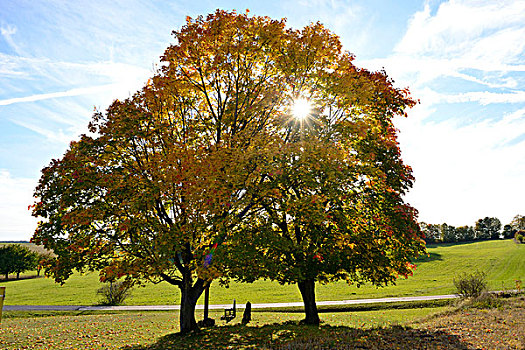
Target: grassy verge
{"x":504,"y":262}
{"x":439,"y":327}
{"x":423,"y":327}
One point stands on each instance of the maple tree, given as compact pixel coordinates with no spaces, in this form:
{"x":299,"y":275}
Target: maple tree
{"x":152,"y":192}
{"x":330,"y":206}
{"x":172,"y":181}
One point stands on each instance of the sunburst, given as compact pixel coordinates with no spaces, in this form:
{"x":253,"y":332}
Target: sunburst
{"x":301,"y":108}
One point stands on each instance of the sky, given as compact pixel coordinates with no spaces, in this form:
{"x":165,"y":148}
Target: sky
{"x":464,"y":60}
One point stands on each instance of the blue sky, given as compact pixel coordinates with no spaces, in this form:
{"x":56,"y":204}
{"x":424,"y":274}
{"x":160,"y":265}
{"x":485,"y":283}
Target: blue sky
{"x":465,"y":61}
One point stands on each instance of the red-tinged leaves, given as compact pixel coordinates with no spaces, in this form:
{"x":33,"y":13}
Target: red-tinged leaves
{"x":207,"y":154}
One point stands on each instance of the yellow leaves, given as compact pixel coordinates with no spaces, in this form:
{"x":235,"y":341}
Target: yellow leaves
{"x":208,"y":273}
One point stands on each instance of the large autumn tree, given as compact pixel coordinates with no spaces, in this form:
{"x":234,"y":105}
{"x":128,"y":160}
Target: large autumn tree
{"x":330,"y":203}
{"x":155,"y":187}
{"x":188,"y":165}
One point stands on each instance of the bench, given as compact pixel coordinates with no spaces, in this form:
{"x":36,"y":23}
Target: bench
{"x":229,"y":314}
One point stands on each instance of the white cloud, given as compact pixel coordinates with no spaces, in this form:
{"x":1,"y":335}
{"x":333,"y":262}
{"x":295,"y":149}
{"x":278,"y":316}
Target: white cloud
{"x":71,"y":92}
{"x":485,"y":97}
{"x":485,"y":36}
{"x":340,"y":16}
{"x":466,"y":26}
{"x":471,"y":53}
{"x":15,"y":218}
{"x":7,"y":33}
{"x":465,"y":172}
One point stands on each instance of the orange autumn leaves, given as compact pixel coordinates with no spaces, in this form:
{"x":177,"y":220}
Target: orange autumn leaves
{"x":207,"y":153}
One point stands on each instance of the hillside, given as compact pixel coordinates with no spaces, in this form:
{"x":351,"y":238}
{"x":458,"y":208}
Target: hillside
{"x":503,"y":261}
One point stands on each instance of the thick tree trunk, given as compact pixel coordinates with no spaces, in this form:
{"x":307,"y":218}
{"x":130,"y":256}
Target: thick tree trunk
{"x":189,"y":296}
{"x":307,"y":289}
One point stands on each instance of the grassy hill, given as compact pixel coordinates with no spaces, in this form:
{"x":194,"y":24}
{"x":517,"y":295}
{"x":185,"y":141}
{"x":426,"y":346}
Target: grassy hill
{"x":502,"y":260}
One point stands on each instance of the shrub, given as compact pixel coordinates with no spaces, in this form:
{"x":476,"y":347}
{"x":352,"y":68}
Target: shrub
{"x":471,"y":285}
{"x":486,"y":301}
{"x":114,"y":293}
{"x":519,"y":237}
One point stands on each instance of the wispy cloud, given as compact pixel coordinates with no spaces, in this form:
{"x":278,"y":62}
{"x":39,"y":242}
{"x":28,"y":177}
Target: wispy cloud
{"x":71,"y":92}
{"x":484,"y":98}
{"x":7,"y":32}
{"x":470,"y":53}
{"x":487,"y":36}
{"x":464,"y":172}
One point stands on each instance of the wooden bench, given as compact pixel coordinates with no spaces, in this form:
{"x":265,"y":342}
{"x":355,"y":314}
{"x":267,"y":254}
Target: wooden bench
{"x":229,"y":314}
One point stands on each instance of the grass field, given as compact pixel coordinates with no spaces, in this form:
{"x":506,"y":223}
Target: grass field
{"x":420,"y":328}
{"x":503,"y":261}
{"x":114,"y":331}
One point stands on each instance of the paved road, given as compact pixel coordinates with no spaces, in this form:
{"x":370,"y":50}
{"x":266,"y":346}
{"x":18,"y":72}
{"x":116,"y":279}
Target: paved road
{"x":218,"y":306}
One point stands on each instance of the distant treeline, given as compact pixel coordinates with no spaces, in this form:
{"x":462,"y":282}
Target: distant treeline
{"x":484,"y":229}
{"x":14,"y":242}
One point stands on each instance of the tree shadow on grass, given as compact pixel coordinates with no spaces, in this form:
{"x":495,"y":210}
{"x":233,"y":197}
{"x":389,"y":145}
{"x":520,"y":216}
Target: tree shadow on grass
{"x":429,"y":257}
{"x":23,"y":277}
{"x":291,"y":335}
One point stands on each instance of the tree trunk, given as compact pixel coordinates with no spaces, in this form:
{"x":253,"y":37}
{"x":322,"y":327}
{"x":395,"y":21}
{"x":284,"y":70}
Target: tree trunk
{"x":189,"y":296}
{"x":307,"y":289}
{"x":18,"y":275}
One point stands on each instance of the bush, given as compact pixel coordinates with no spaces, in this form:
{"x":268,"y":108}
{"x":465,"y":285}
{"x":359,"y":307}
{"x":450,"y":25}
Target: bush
{"x":471,"y":285}
{"x":114,"y":293}
{"x":520,"y":237}
{"x":486,"y":301}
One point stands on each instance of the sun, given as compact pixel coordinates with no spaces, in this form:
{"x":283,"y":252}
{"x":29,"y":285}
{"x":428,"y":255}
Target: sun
{"x":301,"y":108}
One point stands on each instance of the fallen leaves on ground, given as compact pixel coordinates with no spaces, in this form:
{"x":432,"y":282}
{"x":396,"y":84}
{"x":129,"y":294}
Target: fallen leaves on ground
{"x":497,"y":328}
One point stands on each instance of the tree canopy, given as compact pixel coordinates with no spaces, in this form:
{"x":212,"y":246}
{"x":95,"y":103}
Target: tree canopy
{"x":16,"y":258}
{"x":171,"y":182}
{"x":329,"y":203}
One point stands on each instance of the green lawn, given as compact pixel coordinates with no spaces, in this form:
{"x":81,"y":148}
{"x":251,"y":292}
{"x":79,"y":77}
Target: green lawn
{"x":503,"y":261}
{"x":114,"y":331}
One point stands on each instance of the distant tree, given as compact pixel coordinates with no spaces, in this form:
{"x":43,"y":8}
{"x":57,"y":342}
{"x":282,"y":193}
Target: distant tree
{"x":432,"y":232}
{"x":519,"y":236}
{"x":465,"y":233}
{"x":508,"y":231}
{"x":494,"y":228}
{"x":25,"y":259}
{"x":6,"y":261}
{"x":448,"y":233}
{"x":518,"y":222}
{"x":488,"y":228}
{"x":15,"y":258}
{"x":42,"y":260}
